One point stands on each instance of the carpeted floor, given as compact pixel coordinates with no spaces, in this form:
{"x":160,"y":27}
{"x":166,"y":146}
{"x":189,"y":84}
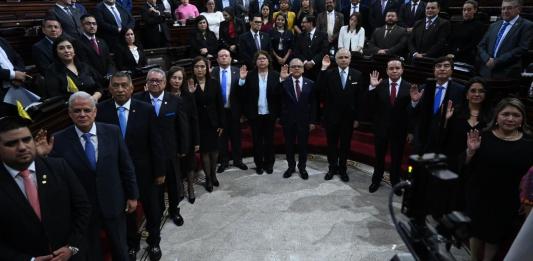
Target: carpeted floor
{"x":266,"y":217}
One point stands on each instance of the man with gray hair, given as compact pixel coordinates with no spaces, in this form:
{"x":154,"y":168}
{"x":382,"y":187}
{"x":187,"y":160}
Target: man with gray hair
{"x":339,"y":88}
{"x":98,"y":155}
{"x":504,"y":43}
{"x":297,"y":114}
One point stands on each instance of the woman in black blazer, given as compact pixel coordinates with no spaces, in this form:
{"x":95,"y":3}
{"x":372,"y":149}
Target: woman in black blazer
{"x":203,"y":41}
{"x":229,"y":31}
{"x":210,"y":117}
{"x":68,"y":75}
{"x":130,"y":56}
{"x":176,"y":77}
{"x":282,"y":40}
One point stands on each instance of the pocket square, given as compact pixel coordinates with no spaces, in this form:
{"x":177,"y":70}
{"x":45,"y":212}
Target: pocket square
{"x":355,"y":82}
{"x":169,"y":114}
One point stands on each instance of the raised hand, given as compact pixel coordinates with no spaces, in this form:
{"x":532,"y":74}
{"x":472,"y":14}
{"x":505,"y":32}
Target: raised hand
{"x":416,"y":94}
{"x":43,"y":145}
{"x":243,"y":72}
{"x":449,"y":109}
{"x":284,"y":74}
{"x":326,"y":62}
{"x":374,"y":79}
{"x":191,"y":85}
{"x":473,"y":141}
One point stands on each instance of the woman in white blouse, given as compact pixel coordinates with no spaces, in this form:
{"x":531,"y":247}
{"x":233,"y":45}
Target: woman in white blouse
{"x":213,"y":17}
{"x":352,"y":36}
{"x":130,"y":56}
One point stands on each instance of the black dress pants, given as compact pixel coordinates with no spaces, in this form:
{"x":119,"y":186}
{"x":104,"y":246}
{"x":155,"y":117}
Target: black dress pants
{"x":263,"y":141}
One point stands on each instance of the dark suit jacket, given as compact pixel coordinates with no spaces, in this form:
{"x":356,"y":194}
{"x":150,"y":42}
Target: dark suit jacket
{"x":65,"y":212}
{"x":377,"y":18}
{"x":219,"y":7}
{"x":322,"y":24}
{"x":512,"y":47}
{"x":172,"y":123}
{"x":251,"y":94}
{"x":107,"y":26}
{"x":42,"y":54}
{"x":314,"y":50}
{"x":301,"y":111}
{"x":114,"y":179}
{"x":363,"y":10}
{"x":152,"y":23}
{"x":396,"y":41}
{"x":102,"y":62}
{"x":432,"y":41}
{"x":55,"y":80}
{"x":124,"y":59}
{"x":390,"y":118}
{"x":14,"y":58}
{"x":236,"y":93}
{"x":247,"y":48}
{"x":143,"y":140}
{"x":71,"y":25}
{"x":189,"y":104}
{"x":338,"y":102}
{"x":406,"y":17}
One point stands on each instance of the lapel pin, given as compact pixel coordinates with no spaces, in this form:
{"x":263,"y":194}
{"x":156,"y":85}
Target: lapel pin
{"x":44,"y":176}
{"x":132,"y":110}
{"x":165,"y":102}
{"x":44,"y":182}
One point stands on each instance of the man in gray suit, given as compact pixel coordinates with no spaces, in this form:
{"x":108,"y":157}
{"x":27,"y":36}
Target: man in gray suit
{"x":330,"y":22}
{"x":67,"y":16}
{"x":502,"y":47}
{"x":389,"y":39}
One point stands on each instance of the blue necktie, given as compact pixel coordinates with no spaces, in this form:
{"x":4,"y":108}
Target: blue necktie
{"x":499,"y":38}
{"x":223,"y":85}
{"x":438,"y":96}
{"x":122,"y":120}
{"x":117,"y":17}
{"x":343,"y":79}
{"x":90,"y":152}
{"x":157,"y":106}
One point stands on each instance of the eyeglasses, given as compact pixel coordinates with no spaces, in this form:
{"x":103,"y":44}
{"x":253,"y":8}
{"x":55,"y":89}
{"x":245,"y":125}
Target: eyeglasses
{"x":78,"y":111}
{"x":152,"y":81}
{"x":258,"y":22}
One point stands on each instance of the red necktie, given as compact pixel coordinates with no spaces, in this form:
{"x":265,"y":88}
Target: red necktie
{"x":95,"y":45}
{"x":31,"y":192}
{"x":298,"y":89}
{"x":392,"y":93}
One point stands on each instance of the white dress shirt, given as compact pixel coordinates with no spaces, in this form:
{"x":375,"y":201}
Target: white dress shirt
{"x":330,"y":22}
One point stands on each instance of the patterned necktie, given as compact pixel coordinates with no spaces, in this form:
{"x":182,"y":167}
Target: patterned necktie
{"x":392,"y":97}
{"x":90,"y":151}
{"x":413,"y":9}
{"x":298,"y":89}
{"x":117,"y":17}
{"x":428,"y":23}
{"x":157,"y":105}
{"x":94,"y":44}
{"x":438,"y":97}
{"x":499,"y":38}
{"x":387,"y":31}
{"x":257,"y":42}
{"x":223,"y":83}
{"x":123,"y":122}
{"x":31,"y":192}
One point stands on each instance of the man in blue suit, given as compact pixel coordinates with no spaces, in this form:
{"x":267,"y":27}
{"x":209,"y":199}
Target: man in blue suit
{"x":111,"y":19}
{"x":297,"y":114}
{"x":502,"y":47}
{"x":98,"y":155}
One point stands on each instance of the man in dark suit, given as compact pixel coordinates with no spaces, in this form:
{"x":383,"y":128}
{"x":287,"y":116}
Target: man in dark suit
{"x":94,"y":50}
{"x":411,"y":12}
{"x":429,"y":35}
{"x":44,"y":210}
{"x":112,"y":18}
{"x":11,"y":67}
{"x":390,"y":99}
{"x":221,"y":4}
{"x":138,"y":124}
{"x":253,"y":41}
{"x":155,"y":30}
{"x":353,"y":7}
{"x":69,"y":17}
{"x":228,"y":77}
{"x":378,"y":10}
{"x":99,"y":157}
{"x":311,"y":45}
{"x":429,"y":106}
{"x":339,"y":88}
{"x":504,"y":43}
{"x":173,"y":128}
{"x":41,"y":52}
{"x":330,"y":22}
{"x":297,"y":114}
{"x":390,"y":39}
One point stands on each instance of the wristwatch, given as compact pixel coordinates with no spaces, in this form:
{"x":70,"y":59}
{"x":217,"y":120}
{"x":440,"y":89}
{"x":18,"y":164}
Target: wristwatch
{"x":74,"y":250}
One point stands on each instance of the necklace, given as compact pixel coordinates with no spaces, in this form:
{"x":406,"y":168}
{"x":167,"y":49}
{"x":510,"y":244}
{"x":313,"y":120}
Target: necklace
{"x":512,"y":137}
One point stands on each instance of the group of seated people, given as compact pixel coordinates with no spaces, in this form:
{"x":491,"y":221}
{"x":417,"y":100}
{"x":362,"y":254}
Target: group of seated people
{"x":137,"y":146}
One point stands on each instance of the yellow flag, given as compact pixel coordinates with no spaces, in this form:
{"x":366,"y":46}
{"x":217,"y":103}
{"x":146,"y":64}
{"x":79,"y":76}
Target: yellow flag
{"x":71,"y":86}
{"x":22,"y":113}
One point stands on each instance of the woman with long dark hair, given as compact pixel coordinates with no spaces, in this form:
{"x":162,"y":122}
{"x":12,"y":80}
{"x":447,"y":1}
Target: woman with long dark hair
{"x":266,"y":16}
{"x":282,"y":41}
{"x":306,"y":9}
{"x":130,"y":55}
{"x":230,"y":29}
{"x":203,"y":41}
{"x":209,"y":104}
{"x":352,"y":36}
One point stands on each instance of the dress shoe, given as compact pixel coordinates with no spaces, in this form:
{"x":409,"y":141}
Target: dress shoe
{"x":304,"y":174}
{"x":398,"y":193}
{"x":259,"y":171}
{"x":177,"y":218}
{"x":373,"y":187}
{"x":329,"y":175}
{"x":132,"y":254}
{"x":288,"y":173}
{"x":154,"y":253}
{"x":269,"y":171}
{"x":215,"y":182}
{"x":240,"y":165}
{"x":209,"y":188}
{"x":191,"y":199}
{"x":344,"y":177}
{"x":222,"y":167}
